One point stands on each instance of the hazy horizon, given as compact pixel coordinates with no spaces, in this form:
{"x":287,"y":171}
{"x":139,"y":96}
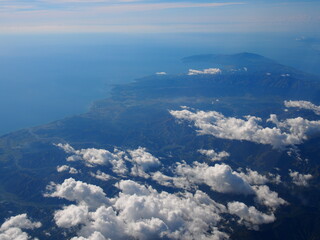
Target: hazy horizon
{"x":49,"y":77}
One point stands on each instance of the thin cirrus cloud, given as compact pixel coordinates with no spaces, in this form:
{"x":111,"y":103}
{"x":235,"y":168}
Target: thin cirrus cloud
{"x":154,"y":16}
{"x":104,"y":16}
{"x":108,"y":6}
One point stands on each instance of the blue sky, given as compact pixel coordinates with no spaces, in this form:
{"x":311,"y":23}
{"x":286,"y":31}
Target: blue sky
{"x":144,"y":16}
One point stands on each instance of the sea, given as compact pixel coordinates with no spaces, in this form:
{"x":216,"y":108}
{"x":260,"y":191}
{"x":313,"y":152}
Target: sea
{"x":44,"y":78}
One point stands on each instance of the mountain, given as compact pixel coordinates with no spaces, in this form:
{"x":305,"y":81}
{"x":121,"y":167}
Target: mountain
{"x":159,"y":117}
{"x":243,"y":74}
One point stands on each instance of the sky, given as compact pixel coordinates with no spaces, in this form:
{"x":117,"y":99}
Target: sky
{"x":153,"y":16}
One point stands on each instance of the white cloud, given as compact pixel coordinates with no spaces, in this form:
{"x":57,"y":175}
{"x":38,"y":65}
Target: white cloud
{"x":142,"y":161}
{"x":62,"y":168}
{"x":213,"y":155}
{"x":300,"y":179}
{"x":268,"y":198}
{"x":65,"y":168}
{"x":210,"y":71}
{"x":220,"y":177}
{"x":161,"y":73}
{"x":288,"y":132}
{"x":178,"y":182}
{"x":66,"y":147}
{"x":101,"y":175}
{"x":93,"y":236}
{"x":71,"y":216}
{"x":12,"y":227}
{"x":73,"y":170}
{"x":78,"y":191}
{"x":249,"y":216}
{"x":253,"y":177}
{"x":143,"y":213}
{"x":303,"y":105}
{"x":94,"y":157}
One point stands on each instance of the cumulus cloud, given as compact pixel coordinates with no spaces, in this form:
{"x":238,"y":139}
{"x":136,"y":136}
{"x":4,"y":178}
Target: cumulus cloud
{"x":211,"y":71}
{"x":249,"y":216}
{"x":267,"y":197}
{"x":93,"y":236}
{"x":78,"y":191}
{"x":220,"y":177}
{"x":177,"y":182}
{"x":253,"y":177}
{"x":303,"y":105}
{"x":13,"y":227}
{"x":142,"y":161}
{"x":94,"y":157}
{"x":71,"y":216}
{"x":65,"y":168}
{"x":101,"y":175}
{"x":287,"y":132}
{"x":66,"y":147}
{"x":62,"y":168}
{"x":142,"y":212}
{"x":300,"y":179}
{"x":213,"y":155}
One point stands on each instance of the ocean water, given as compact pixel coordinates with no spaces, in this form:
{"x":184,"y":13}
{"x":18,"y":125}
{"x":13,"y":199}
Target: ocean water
{"x":48,"y":77}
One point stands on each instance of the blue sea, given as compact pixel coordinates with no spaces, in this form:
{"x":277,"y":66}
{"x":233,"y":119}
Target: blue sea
{"x":48,"y":77}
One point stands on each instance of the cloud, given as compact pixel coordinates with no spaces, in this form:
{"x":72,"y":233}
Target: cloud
{"x":101,"y":175}
{"x":12,"y":227}
{"x":78,"y":191}
{"x":249,"y":216}
{"x":213,"y":155}
{"x":223,"y":179}
{"x":268,"y":198}
{"x":62,"y":168}
{"x":71,"y":216}
{"x":253,"y":177}
{"x":176,"y":182}
{"x":220,"y":177}
{"x":66,"y":147}
{"x":161,"y":73}
{"x":93,"y":236}
{"x":300,"y":179}
{"x":65,"y":168}
{"x":142,"y":212}
{"x":303,"y":105}
{"x":210,"y":71}
{"x":94,"y":157}
{"x":288,"y":132}
{"x":142,"y":161}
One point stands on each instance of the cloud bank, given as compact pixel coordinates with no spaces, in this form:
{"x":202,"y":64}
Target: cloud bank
{"x":303,"y":105}
{"x":13,"y":227}
{"x":138,"y":212}
{"x":140,"y":160}
{"x":288,"y":132}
